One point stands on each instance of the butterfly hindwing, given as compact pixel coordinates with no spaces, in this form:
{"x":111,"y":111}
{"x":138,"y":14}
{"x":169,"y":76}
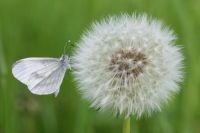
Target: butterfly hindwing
{"x":42,"y":74}
{"x":50,"y":84}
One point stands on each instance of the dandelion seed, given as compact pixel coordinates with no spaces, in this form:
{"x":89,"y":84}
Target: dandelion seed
{"x":128,"y":64}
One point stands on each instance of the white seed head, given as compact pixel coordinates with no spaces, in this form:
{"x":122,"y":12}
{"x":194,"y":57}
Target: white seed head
{"x":128,"y":64}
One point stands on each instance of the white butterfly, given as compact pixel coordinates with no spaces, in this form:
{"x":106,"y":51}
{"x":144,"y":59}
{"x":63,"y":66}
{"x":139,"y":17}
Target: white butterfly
{"x":41,"y":75}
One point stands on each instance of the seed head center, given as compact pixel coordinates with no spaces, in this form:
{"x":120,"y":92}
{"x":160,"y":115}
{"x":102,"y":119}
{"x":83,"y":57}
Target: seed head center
{"x":128,"y":63}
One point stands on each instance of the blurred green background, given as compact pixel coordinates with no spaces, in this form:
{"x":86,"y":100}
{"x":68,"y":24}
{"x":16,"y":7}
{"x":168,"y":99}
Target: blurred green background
{"x":40,"y":28}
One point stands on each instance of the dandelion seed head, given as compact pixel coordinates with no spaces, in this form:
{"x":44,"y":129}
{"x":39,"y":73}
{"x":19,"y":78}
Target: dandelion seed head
{"x":128,"y":64}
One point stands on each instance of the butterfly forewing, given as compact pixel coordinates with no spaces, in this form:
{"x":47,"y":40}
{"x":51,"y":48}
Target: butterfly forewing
{"x":23,"y":69}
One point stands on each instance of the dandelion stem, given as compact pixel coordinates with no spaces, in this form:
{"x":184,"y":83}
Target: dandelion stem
{"x":126,"y":125}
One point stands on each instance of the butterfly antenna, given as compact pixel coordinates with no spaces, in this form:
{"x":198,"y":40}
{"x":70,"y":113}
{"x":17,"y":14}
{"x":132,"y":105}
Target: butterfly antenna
{"x":66,"y":44}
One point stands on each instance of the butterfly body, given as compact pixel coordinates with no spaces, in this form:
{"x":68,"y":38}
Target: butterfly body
{"x":41,"y":75}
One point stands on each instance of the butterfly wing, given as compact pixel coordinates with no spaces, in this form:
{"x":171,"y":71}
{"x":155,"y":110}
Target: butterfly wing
{"x":50,"y":84}
{"x":41,"y":75}
{"x":23,"y":68}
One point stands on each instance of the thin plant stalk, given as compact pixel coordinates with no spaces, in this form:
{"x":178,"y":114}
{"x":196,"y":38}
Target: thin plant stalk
{"x":126,"y":125}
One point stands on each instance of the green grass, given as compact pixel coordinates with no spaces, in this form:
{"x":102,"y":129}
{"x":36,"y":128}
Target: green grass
{"x":41,"y":27}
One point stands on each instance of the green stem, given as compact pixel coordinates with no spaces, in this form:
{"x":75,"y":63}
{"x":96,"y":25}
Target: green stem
{"x":126,"y":125}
